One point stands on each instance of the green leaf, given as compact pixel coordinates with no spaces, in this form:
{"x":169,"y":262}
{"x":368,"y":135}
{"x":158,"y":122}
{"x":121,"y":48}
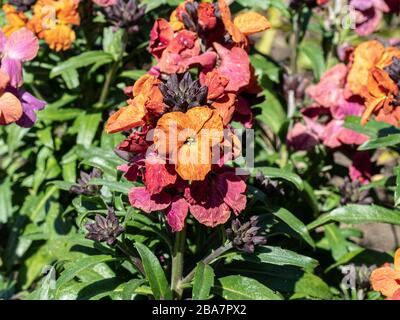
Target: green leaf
{"x":271,"y":172}
{"x":155,"y":273}
{"x":202,"y":282}
{"x":272,"y":111}
{"x":83,"y":60}
{"x":316,"y":56}
{"x":88,"y":128}
{"x":130,"y":287}
{"x":5,"y":201}
{"x":397,"y":190}
{"x":337,"y":242}
{"x":388,"y":141}
{"x":113,"y":42}
{"x":357,"y":214}
{"x":311,"y":286}
{"x":266,"y":67}
{"x":294,"y":223}
{"x":242,"y":288}
{"x":280,"y":257}
{"x":79,"y":266}
{"x":115,"y":186}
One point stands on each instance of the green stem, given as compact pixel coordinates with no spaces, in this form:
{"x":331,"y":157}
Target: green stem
{"x":207,"y":260}
{"x":137,"y":263}
{"x":107,"y":83}
{"x":177,"y":263}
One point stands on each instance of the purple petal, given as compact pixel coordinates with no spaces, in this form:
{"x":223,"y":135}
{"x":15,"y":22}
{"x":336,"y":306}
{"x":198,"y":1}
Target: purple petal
{"x":3,"y":41}
{"x":13,"y":68}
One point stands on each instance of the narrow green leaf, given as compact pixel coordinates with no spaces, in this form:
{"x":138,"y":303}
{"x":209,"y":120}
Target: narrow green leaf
{"x":79,"y":266}
{"x":388,"y":141}
{"x":130,"y":287}
{"x":316,"y":56}
{"x":280,"y":257}
{"x":88,"y":128}
{"x":83,"y":60}
{"x":397,"y":190}
{"x":271,"y":172}
{"x":5,"y":201}
{"x":155,"y":273}
{"x":294,"y":223}
{"x":357,"y":214}
{"x":242,"y":288}
{"x":203,"y":281}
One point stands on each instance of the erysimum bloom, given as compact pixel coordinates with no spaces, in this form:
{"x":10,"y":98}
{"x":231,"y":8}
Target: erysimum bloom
{"x":368,"y":14}
{"x":15,"y":20}
{"x":387,"y":279}
{"x":53,"y":20}
{"x":187,"y":140}
{"x":19,"y":47}
{"x":366,"y":56}
{"x":10,"y":106}
{"x":380,"y":94}
{"x":212,"y":200}
{"x":243,"y":25}
{"x":145,"y":94}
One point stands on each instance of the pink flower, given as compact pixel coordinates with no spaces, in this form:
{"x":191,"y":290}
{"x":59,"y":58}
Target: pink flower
{"x":369,"y":14}
{"x":330,"y":88}
{"x":160,"y":36}
{"x":158,"y":174}
{"x":141,"y":198}
{"x":21,"y":46}
{"x":182,"y":52}
{"x":176,"y":213}
{"x":235,"y":65}
{"x":211,"y":201}
{"x":105,"y":3}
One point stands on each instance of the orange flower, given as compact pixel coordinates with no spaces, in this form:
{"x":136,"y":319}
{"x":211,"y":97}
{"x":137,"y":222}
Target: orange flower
{"x":379,"y":94}
{"x":387,"y":279}
{"x":146,"y":97}
{"x":15,"y":20}
{"x":188,"y":139}
{"x":10,"y":106}
{"x":244,"y":25}
{"x":366,"y":56}
{"x":52,"y":21}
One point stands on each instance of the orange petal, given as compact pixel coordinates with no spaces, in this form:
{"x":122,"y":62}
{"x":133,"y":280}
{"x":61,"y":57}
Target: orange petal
{"x":365,"y":56}
{"x":10,"y":108}
{"x":397,"y":260}
{"x":385,"y":280}
{"x":371,"y":107}
{"x":4,"y":80}
{"x":194,"y":160}
{"x":251,"y":22}
{"x":231,"y":28}
{"x":126,"y":118}
{"x":225,"y":107}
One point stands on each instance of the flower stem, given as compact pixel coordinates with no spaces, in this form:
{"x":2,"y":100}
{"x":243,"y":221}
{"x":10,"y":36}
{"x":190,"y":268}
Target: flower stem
{"x":207,"y":260}
{"x":134,"y":260}
{"x":177,"y":263}
{"x":107,"y":83}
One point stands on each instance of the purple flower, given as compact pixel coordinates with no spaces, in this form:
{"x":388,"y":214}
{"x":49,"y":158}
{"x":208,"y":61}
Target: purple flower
{"x":30,"y":104}
{"x":369,"y":14}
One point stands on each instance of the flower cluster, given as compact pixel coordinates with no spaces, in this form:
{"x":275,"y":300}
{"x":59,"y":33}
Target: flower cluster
{"x":50,"y":20}
{"x":16,"y":104}
{"x":387,"y":279}
{"x":187,"y":103}
{"x":367,"y":85}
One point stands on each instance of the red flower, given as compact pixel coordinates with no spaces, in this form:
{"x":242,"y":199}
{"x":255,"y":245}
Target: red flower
{"x":212,"y":200}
